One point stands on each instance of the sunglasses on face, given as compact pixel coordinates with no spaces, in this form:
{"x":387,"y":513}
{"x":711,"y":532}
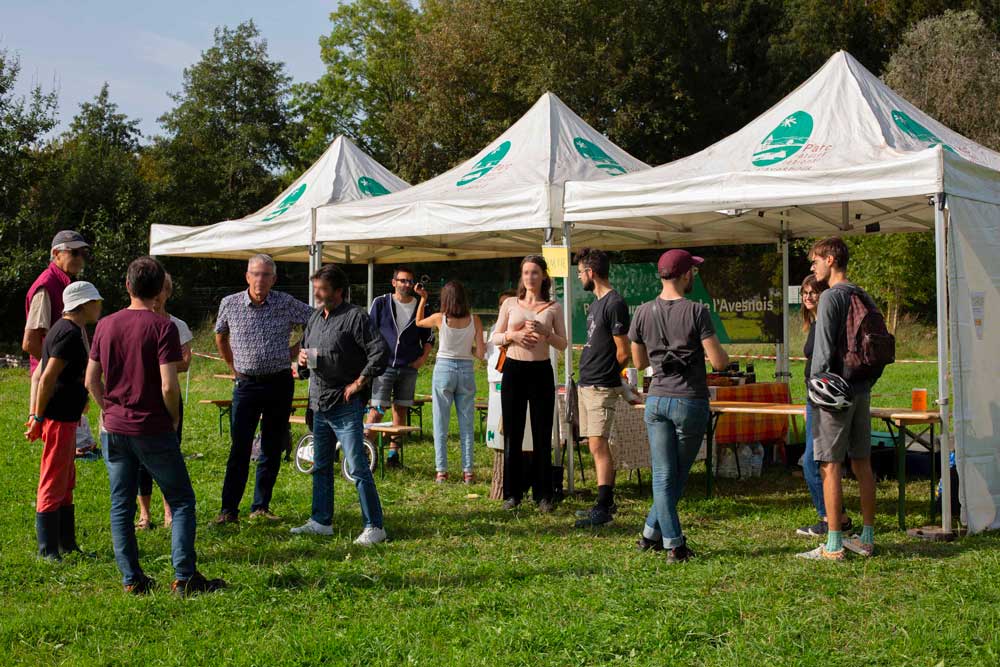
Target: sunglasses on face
{"x":807,"y":295}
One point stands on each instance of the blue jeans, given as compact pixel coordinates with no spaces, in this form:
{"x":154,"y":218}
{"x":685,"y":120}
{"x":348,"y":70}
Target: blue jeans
{"x":268,"y":402}
{"x":810,"y":469}
{"x":161,"y":456}
{"x":343,"y":422}
{"x":454,"y":382}
{"x":676,"y":427}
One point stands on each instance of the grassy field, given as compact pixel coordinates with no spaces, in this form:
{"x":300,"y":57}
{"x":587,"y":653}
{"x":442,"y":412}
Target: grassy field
{"x":463,"y":583}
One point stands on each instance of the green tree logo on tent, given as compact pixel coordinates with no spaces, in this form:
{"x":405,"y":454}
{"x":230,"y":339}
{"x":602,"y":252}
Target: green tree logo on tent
{"x":917,"y":131}
{"x":598,"y":156}
{"x":785,"y":140}
{"x":287,"y":202}
{"x":486,"y":164}
{"x":370,"y":187}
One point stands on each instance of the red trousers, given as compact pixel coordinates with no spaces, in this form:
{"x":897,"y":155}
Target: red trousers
{"x":57,"y":475}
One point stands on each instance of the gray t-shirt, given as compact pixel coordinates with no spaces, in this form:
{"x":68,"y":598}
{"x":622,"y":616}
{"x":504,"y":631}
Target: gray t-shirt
{"x":685,"y":324}
{"x":831,"y":333}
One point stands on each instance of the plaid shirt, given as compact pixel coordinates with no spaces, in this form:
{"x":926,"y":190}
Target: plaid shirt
{"x":259,"y":334}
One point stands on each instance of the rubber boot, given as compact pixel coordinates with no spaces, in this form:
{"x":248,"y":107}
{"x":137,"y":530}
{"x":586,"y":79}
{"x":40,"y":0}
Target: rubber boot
{"x":557,"y":484}
{"x":67,"y":530}
{"x":47,"y":530}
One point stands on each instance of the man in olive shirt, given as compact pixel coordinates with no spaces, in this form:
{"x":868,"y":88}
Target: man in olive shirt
{"x":343,"y":353}
{"x":604,"y":355}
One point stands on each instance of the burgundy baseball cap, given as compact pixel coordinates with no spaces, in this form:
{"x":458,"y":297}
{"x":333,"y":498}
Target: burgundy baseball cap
{"x":675,"y":263}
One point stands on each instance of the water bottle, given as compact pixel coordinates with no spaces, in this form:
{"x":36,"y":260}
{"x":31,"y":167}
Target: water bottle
{"x":727,"y":463}
{"x":745,"y":456}
{"x":757,"y":460}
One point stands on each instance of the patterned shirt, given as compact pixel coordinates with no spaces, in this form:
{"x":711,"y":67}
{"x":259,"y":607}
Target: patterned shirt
{"x":259,"y":334}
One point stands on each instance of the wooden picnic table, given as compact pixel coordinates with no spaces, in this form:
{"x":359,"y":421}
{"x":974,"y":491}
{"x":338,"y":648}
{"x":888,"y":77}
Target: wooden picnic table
{"x":225,"y":406}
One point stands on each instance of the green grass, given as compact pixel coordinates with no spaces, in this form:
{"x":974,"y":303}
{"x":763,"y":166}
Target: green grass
{"x":463,"y":583}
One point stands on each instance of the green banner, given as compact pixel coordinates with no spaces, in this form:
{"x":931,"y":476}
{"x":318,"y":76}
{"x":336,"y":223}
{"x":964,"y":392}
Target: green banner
{"x":743,"y":295}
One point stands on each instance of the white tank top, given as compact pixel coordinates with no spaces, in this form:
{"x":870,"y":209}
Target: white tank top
{"x":456,"y":343}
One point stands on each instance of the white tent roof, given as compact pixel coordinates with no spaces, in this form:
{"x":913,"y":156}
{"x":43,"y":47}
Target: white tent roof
{"x":283,"y":228}
{"x":842,"y":136}
{"x":495,"y":204}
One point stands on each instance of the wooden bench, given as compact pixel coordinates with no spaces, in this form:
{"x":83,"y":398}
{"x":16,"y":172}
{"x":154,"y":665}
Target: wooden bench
{"x":225,"y":406}
{"x":382,"y":429}
{"x":482,"y":410}
{"x":417,"y":410}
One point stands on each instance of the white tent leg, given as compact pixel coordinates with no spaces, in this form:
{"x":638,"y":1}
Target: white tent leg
{"x":568,"y":370}
{"x":942,"y":354}
{"x":783,"y":362}
{"x":371,"y":283}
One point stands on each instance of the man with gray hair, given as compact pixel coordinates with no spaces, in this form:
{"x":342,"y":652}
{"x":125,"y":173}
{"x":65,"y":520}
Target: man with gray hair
{"x":252,"y":332}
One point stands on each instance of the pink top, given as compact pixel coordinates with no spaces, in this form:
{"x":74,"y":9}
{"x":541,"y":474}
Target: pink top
{"x":512,"y":317}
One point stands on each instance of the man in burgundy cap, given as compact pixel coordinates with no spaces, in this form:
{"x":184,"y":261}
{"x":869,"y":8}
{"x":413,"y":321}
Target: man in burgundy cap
{"x":43,"y":306}
{"x":674,"y":335}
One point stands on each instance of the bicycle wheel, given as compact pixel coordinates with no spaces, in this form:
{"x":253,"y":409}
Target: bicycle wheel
{"x":369,"y":453}
{"x":305,"y":458}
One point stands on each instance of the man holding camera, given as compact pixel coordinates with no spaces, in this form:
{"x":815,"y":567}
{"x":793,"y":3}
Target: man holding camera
{"x":673,"y":335}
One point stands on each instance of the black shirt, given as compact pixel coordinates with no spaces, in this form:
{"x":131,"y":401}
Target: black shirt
{"x":685,"y":324}
{"x":607,"y":317}
{"x":348,"y":347}
{"x":807,"y":350}
{"x":65,"y":341}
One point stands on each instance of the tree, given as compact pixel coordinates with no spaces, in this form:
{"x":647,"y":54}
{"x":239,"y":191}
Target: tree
{"x":369,"y":71}
{"x":24,"y":122}
{"x":228,"y":135}
{"x":896,"y":269}
{"x":949,"y":66}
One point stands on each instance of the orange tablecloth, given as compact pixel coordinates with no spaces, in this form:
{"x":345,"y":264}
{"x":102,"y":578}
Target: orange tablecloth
{"x":738,"y":428}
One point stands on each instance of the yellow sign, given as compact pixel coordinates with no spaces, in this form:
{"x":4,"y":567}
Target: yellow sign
{"x":557,"y":257}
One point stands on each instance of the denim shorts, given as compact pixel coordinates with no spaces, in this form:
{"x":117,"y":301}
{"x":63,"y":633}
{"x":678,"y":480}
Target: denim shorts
{"x":395,"y":387}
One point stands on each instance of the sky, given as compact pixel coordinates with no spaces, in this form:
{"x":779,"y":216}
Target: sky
{"x":141,"y":48}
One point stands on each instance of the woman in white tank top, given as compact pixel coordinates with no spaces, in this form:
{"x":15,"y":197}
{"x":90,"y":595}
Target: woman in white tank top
{"x":460,"y":343}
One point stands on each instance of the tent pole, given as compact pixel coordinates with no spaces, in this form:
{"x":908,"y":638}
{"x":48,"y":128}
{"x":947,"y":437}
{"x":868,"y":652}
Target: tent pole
{"x":568,"y":364}
{"x":313,"y":254}
{"x":785,"y":365}
{"x":942,"y":354}
{"x":371,"y":283}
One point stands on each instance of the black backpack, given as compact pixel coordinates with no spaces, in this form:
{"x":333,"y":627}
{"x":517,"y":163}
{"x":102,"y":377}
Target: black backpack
{"x":869,"y":347}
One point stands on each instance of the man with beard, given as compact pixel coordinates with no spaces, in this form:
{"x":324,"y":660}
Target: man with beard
{"x":673,"y":335}
{"x":604,"y":355}
{"x":394,"y":315}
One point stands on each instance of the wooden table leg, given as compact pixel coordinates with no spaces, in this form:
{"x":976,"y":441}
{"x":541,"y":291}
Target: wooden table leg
{"x":381,"y":456}
{"x":901,"y":475}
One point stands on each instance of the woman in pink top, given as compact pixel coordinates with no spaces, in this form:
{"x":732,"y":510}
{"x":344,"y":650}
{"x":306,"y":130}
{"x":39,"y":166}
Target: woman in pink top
{"x":528,"y":326}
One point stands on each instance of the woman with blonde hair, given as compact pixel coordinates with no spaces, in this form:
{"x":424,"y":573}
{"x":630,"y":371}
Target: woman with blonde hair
{"x":454,"y":378}
{"x":528,"y":326}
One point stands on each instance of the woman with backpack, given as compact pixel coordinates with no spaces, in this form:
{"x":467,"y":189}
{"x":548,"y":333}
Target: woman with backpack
{"x":454,"y":378}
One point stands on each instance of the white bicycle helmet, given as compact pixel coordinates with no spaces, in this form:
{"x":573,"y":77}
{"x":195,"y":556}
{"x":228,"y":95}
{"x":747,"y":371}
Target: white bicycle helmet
{"x":830,"y":392}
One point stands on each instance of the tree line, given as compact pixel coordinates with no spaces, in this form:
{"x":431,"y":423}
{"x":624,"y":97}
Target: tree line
{"x":422,"y":87}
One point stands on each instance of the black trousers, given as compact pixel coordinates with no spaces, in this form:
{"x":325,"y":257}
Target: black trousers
{"x":527,"y":383}
{"x":269,"y":402}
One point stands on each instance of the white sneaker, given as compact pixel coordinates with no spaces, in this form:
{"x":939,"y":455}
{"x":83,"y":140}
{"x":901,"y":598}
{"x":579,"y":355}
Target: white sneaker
{"x":370,"y":536}
{"x":311,"y":527}
{"x":820,"y":553}
{"x":857,"y":546}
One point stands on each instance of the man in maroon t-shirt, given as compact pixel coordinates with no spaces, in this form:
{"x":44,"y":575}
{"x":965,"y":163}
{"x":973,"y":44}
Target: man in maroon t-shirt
{"x":133,"y":379}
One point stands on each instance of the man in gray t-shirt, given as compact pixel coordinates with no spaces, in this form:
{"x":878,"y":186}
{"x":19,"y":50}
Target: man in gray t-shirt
{"x":673,"y":335}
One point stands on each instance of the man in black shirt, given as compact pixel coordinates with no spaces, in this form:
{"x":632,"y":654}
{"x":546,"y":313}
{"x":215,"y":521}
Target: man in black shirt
{"x":342,"y":353}
{"x":604,"y":355}
{"x":59,"y":402}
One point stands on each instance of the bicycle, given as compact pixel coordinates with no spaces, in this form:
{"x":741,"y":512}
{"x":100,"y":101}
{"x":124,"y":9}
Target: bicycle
{"x":305,"y":457}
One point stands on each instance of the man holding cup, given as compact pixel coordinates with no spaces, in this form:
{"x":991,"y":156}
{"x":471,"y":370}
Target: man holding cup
{"x":342,"y":354}
{"x":252,"y":332}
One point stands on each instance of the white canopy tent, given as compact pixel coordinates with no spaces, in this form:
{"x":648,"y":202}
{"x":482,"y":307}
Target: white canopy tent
{"x":284,"y":228}
{"x":505,"y":201}
{"x":844,"y":154}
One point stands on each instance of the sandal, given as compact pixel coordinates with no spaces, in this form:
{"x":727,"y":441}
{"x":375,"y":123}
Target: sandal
{"x":441,"y":478}
{"x":144,"y":524}
{"x":469,"y":477}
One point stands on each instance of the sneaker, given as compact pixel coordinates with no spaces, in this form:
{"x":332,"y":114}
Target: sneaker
{"x":857,"y":546}
{"x":264,"y":514}
{"x":679,"y":554}
{"x":646,"y":544}
{"x":821,"y":528}
{"x":196,"y":584}
{"x":311,"y":527}
{"x":141,"y":587}
{"x":511,"y":503}
{"x":392,"y":461}
{"x":224,"y":518}
{"x":597,"y":516}
{"x":545,"y":506}
{"x":441,"y":478}
{"x":469,"y":477}
{"x":370,"y":536}
{"x":820,"y":553}
{"x":145,"y":523}
{"x":583,"y":514}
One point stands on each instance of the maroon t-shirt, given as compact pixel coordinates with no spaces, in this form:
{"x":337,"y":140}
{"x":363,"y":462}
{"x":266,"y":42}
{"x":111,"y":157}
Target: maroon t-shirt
{"x":130,"y":346}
